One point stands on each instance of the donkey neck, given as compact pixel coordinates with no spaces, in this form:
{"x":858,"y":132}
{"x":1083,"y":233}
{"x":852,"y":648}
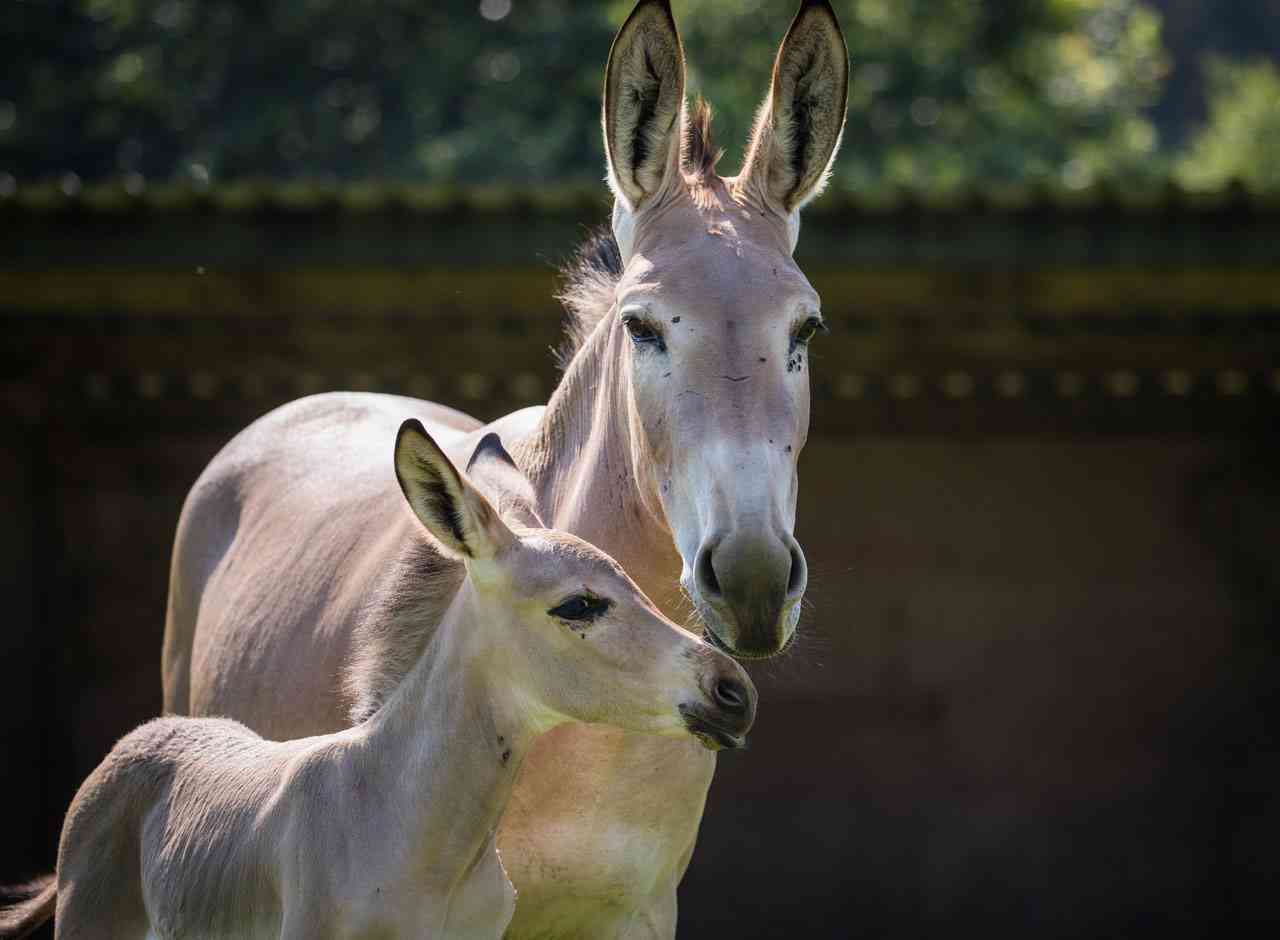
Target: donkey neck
{"x":444,"y":750}
{"x":589,"y":470}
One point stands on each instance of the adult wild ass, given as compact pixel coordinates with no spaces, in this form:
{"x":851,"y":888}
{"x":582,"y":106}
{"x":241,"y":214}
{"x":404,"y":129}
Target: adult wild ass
{"x":197,"y":827}
{"x":671,"y":442}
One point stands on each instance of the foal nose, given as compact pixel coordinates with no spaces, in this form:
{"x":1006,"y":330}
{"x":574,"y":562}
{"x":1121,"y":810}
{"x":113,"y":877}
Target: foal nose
{"x":752,"y":584}
{"x":732,"y":696}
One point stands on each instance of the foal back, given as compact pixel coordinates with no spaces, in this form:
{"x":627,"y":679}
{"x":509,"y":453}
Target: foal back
{"x":163,"y":835}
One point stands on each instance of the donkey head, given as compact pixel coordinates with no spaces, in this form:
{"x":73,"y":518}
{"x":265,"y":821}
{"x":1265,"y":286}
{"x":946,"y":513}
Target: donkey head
{"x":718,"y":315}
{"x":572,"y":636}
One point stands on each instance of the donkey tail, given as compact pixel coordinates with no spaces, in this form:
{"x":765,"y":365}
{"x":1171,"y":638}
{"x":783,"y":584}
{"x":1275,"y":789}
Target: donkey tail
{"x":39,"y":898}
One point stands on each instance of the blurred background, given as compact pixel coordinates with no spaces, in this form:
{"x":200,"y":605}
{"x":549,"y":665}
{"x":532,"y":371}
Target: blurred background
{"x":1041,"y":495}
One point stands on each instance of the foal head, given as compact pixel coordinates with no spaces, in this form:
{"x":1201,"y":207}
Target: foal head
{"x":576,"y":639}
{"x":715,"y":314}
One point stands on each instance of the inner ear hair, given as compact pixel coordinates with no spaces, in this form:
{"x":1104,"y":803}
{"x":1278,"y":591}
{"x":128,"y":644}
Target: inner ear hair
{"x":643,"y":102}
{"x":798,"y":128}
{"x":432,"y":487}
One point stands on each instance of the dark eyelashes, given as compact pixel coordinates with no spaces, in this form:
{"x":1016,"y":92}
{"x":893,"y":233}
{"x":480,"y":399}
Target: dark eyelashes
{"x":808,"y":330}
{"x":642,"y":332}
{"x":581,"y":608}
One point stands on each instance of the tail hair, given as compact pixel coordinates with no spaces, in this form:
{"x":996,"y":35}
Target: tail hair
{"x":35,"y":907}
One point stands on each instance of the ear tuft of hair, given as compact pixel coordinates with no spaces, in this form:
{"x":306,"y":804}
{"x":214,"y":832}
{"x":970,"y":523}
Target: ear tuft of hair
{"x":700,"y":151}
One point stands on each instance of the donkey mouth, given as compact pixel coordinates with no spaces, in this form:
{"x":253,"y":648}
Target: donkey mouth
{"x":712,"y":736}
{"x":714,"y":639}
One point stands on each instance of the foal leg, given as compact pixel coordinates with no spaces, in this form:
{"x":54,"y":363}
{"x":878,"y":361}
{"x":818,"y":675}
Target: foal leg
{"x":106,"y":911}
{"x":100,"y":882}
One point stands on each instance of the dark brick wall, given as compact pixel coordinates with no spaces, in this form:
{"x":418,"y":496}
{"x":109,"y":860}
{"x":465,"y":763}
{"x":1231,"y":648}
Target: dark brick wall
{"x":1039,"y":501}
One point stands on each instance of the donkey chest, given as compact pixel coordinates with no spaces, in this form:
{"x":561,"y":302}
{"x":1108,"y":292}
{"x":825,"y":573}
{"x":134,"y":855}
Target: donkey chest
{"x":600,"y":828}
{"x":482,"y":904}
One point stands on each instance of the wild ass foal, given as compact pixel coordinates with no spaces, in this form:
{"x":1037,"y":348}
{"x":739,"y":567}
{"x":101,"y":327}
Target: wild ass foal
{"x":198,"y":827}
{"x":671,"y":443}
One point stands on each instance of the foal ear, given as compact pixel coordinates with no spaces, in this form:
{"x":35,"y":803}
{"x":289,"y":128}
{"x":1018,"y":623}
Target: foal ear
{"x":643,"y":101}
{"x":493,"y":471}
{"x":452,"y":510}
{"x":798,"y":127}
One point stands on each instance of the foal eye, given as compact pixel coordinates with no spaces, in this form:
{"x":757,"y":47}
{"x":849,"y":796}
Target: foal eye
{"x":642,"y":331}
{"x":580,"y":608}
{"x":808,"y":330}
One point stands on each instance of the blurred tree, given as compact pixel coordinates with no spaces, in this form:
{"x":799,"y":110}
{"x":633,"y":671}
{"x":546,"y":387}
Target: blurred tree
{"x":944,"y":91}
{"x":1242,"y":138}
{"x":1197,"y":32}
{"x":282,"y":88}
{"x":949,"y":91}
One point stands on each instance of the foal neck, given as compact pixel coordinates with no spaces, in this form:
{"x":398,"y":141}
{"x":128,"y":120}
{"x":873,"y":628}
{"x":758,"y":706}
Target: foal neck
{"x":443,"y":751}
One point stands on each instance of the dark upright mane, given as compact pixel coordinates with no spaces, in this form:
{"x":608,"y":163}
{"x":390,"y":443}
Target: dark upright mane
{"x":588,"y":280}
{"x":700,"y":154}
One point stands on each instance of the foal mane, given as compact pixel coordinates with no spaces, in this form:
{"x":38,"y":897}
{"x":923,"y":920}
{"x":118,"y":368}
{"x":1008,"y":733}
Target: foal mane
{"x":398,"y":622}
{"x":588,"y":278}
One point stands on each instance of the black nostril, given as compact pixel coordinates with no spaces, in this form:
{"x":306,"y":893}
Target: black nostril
{"x":707,"y":579}
{"x":731,"y":695}
{"x":799,"y":574}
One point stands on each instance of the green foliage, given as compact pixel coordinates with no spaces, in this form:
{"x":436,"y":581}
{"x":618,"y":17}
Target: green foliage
{"x":1241,"y":140}
{"x":944,"y":92}
{"x":287,"y":88}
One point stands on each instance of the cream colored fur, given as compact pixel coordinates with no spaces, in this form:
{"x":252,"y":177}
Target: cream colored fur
{"x":293,"y":597}
{"x":199,"y":827}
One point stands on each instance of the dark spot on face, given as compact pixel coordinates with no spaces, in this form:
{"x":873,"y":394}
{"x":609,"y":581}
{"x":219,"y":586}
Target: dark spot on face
{"x":788,"y":448}
{"x":764,"y":358}
{"x":666,"y":375}
{"x":501,"y":739}
{"x":675,"y":319}
{"x":506,"y":755}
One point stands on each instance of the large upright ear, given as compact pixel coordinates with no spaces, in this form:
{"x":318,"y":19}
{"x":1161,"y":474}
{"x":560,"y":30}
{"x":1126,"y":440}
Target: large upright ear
{"x":494,"y":473}
{"x":643,"y":101}
{"x":798,"y":127}
{"x":452,"y":510}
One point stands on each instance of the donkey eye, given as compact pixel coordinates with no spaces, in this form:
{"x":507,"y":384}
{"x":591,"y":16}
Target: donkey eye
{"x":580,"y":608}
{"x":808,"y":330}
{"x":642,"y":331}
